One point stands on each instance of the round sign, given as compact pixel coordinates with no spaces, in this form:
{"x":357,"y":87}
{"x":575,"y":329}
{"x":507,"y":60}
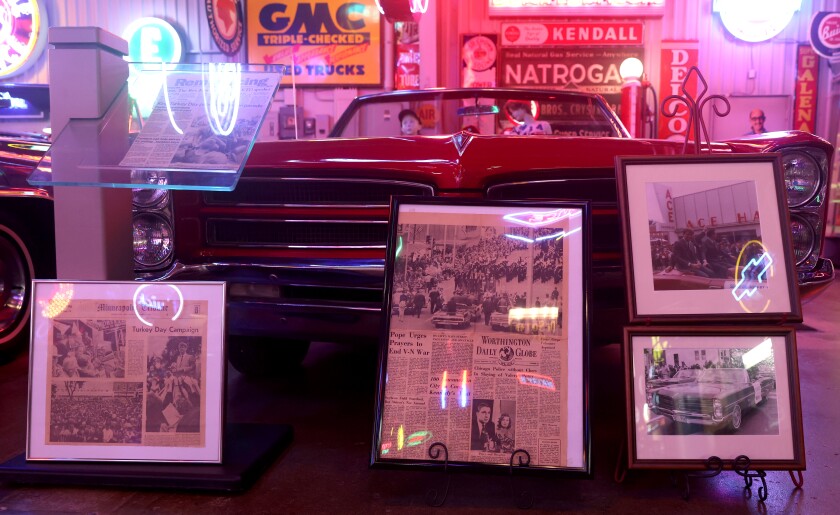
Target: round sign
{"x":21,"y":25}
{"x":512,"y":34}
{"x":225,"y":20}
{"x":756,"y":20}
{"x":825,"y":33}
{"x":152,"y":40}
{"x":480,"y":53}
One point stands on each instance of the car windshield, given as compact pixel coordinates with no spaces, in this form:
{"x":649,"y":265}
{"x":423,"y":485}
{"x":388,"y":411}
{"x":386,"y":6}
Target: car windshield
{"x":718,"y":375}
{"x":485,"y":112}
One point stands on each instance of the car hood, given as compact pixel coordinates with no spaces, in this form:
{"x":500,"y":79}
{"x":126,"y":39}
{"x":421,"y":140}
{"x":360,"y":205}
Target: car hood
{"x":702,"y":390}
{"x":447,"y":157}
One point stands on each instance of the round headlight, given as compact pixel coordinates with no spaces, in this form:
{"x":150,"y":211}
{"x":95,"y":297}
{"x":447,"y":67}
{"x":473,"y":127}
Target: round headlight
{"x":152,"y":239}
{"x":802,"y":177}
{"x":148,"y":197}
{"x":803,"y":238}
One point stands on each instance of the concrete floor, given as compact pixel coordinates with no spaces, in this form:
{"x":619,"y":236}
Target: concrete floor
{"x":329,"y":403}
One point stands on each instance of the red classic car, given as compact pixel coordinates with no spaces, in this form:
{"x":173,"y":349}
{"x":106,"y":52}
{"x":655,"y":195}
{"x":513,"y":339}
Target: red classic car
{"x":301,"y":239}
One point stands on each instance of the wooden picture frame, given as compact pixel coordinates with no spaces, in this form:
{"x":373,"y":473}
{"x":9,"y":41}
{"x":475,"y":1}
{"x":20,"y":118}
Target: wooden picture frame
{"x":736,"y":265}
{"x":492,"y":369}
{"x":698,"y":392}
{"x":126,"y":371}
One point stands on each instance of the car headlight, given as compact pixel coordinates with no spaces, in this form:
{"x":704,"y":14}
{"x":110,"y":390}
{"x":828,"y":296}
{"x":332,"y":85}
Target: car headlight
{"x":152,"y":239}
{"x":718,"y":407}
{"x":803,"y":237}
{"x":148,"y":197}
{"x":802,"y":177}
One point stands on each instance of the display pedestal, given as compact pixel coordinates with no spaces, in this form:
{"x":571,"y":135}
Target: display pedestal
{"x":248,"y":450}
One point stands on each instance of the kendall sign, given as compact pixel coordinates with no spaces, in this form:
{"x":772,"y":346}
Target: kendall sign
{"x":572,"y":34}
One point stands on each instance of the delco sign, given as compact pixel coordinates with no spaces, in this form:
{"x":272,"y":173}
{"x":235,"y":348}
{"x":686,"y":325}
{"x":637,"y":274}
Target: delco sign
{"x":825,"y":33}
{"x":332,"y":42}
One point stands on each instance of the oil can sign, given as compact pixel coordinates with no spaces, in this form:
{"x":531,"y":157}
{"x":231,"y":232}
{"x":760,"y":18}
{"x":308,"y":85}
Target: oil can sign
{"x":327,"y":42}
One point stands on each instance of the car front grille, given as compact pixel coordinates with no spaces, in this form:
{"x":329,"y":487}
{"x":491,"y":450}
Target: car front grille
{"x":314,"y":192}
{"x":297,"y":233}
{"x":681,"y":404}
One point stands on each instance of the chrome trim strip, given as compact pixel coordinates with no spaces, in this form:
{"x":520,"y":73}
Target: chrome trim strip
{"x":179,"y":268}
{"x":334,"y":180}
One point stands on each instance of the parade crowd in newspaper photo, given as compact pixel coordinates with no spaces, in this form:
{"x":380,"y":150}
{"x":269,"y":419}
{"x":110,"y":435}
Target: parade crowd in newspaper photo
{"x":477,"y":341}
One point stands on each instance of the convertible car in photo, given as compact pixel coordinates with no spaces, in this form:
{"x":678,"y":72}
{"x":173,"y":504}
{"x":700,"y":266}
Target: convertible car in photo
{"x":301,"y":239}
{"x":718,"y":398}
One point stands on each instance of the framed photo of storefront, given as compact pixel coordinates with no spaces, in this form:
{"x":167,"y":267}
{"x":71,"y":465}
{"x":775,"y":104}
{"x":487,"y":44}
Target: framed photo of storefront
{"x":697,"y":392}
{"x":484,"y":346}
{"x":707,"y":236}
{"x":126,"y":371}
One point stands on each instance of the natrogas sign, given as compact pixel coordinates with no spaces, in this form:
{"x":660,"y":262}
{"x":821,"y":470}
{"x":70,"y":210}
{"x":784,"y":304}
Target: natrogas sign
{"x":327,"y":42}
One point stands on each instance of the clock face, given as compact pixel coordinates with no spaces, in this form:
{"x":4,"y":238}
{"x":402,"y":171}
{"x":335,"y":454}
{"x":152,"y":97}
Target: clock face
{"x":756,"y":20}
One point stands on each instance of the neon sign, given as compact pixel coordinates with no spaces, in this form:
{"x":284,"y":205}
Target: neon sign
{"x":157,"y":300}
{"x":21,"y":24}
{"x":755,"y":20}
{"x":150,"y":40}
{"x":761,"y":263}
{"x":539,"y":218}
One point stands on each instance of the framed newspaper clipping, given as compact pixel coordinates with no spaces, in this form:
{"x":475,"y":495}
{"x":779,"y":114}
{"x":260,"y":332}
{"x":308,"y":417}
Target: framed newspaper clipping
{"x":707,"y":238}
{"x":126,"y":371}
{"x":698,"y":392}
{"x":484,"y":346}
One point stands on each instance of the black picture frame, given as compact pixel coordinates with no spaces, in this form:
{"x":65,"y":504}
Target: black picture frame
{"x":678,"y":417}
{"x":750,"y":275}
{"x":528,"y":362}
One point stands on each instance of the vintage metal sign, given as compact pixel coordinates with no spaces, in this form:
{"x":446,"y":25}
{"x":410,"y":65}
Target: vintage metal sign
{"x":825,"y":33}
{"x":225,"y":20}
{"x":677,"y":59}
{"x":572,"y":34}
{"x":807,"y":79}
{"x":327,"y":43}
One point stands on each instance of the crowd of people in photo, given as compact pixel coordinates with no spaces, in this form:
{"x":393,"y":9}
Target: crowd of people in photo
{"x":702,"y":253}
{"x":77,"y":353}
{"x":480,"y":271}
{"x":96,"y":419}
{"x":173,"y":386}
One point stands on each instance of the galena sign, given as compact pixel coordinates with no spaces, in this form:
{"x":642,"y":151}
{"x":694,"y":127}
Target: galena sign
{"x":327,"y":43}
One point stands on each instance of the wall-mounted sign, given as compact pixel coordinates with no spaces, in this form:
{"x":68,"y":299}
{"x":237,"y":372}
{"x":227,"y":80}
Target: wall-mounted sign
{"x":591,"y":69}
{"x":407,"y":57}
{"x":478,"y":60}
{"x":225,"y":20}
{"x":153,"y":40}
{"x":22,"y":24}
{"x":677,"y":59}
{"x":572,"y":34}
{"x":564,"y":8}
{"x":328,"y":43}
{"x":807,"y":78}
{"x":825,"y":33}
{"x":755,"y":20}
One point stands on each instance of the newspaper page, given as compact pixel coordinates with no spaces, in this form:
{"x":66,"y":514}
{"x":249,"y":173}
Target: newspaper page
{"x":114,"y":380}
{"x":203,"y":120}
{"x":478,"y":347}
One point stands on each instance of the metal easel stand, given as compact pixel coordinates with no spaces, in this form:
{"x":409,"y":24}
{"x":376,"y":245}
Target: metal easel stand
{"x":520,"y":458}
{"x":741,"y":466}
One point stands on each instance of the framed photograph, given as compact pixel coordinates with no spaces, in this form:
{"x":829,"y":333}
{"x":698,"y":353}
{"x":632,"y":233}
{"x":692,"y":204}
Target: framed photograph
{"x":126,"y":371}
{"x":707,"y":237}
{"x":484,"y":350}
{"x":697,"y":392}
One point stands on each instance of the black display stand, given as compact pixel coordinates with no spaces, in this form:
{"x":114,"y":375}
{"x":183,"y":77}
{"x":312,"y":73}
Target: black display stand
{"x":247,"y":451}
